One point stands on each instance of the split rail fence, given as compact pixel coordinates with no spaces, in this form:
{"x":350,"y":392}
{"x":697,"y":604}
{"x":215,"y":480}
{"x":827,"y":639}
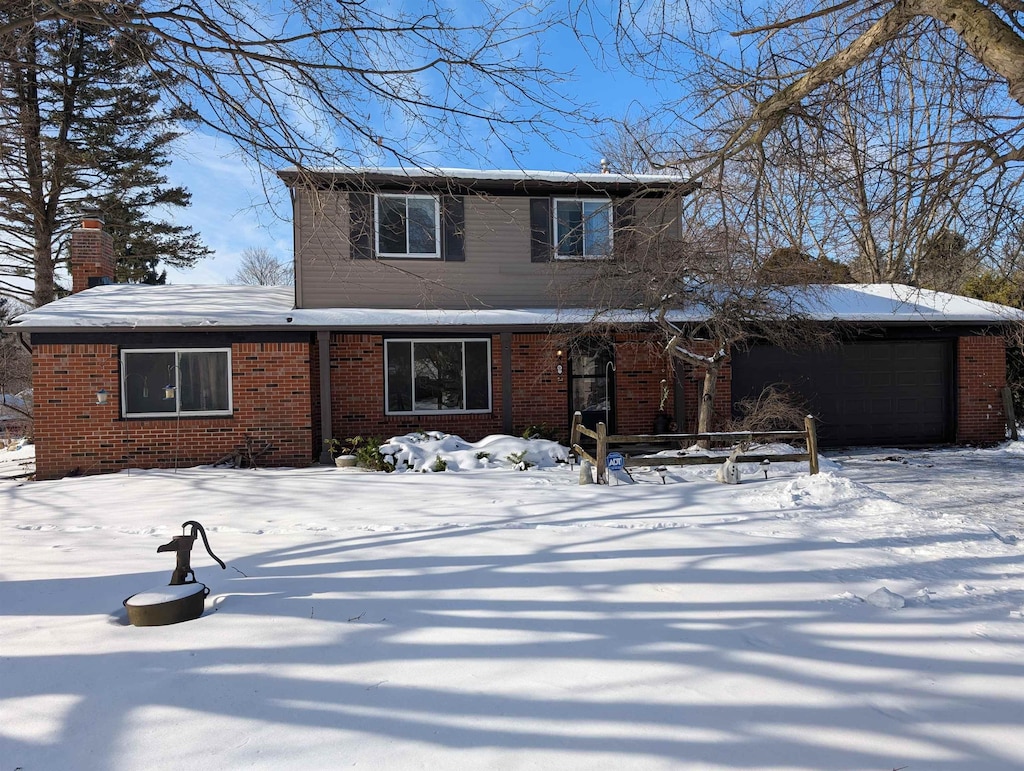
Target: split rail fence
{"x":808,"y":436}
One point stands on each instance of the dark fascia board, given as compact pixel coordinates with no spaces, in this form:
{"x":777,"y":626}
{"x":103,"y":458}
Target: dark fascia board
{"x":167,"y":336}
{"x":849,"y":332}
{"x":367,"y":182}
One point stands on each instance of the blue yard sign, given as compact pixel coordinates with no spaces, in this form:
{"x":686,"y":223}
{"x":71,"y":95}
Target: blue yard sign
{"x":615,"y":461}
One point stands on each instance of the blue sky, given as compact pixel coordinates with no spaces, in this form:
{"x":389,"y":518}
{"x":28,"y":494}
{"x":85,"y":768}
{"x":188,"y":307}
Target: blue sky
{"x":230,"y":201}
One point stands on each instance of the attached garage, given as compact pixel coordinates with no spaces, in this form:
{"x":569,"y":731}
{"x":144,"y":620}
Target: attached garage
{"x":896,"y":392}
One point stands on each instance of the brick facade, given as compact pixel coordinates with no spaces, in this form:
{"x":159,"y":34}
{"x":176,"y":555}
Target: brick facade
{"x":357,"y":394}
{"x":540,"y":396}
{"x":981,"y":376}
{"x":74,"y":434}
{"x":276,"y":398}
{"x":639,"y":369}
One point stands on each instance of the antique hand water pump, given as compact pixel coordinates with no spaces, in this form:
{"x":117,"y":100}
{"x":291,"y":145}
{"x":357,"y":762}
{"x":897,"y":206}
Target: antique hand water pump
{"x":183,"y":599}
{"x":182,"y":546}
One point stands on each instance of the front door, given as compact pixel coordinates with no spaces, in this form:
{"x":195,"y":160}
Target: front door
{"x":592,"y":383}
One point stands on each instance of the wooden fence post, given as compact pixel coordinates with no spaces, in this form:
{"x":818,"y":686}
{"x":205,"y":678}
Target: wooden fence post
{"x":574,"y":432}
{"x":602,"y":453}
{"x":812,"y":443}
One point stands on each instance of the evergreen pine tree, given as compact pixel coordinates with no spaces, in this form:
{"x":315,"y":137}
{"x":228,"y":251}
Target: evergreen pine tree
{"x":82,"y":125}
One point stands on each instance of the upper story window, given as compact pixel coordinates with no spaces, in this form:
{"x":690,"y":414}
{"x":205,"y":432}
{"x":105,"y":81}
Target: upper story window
{"x":408,"y":226}
{"x":161,"y":383}
{"x":582,"y":228}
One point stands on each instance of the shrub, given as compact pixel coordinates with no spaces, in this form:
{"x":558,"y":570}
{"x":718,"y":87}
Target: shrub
{"x":367,"y":452}
{"x":539,"y":431}
{"x":519,"y":461}
{"x":775,"y":409}
{"x":366,"y":449}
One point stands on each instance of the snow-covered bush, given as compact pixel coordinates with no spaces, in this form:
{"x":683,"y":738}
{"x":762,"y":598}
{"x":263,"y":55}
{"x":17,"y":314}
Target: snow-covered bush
{"x":420,"y":451}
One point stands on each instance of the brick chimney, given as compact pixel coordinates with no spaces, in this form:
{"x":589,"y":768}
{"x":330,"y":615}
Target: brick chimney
{"x":92,"y":254}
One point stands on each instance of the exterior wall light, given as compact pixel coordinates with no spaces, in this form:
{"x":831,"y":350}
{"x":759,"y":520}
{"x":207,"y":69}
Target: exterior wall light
{"x":102,"y":396}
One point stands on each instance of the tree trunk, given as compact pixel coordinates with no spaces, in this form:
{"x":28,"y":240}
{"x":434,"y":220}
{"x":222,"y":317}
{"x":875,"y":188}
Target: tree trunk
{"x":706,"y":411}
{"x":989,"y":39}
{"x":43,"y":264}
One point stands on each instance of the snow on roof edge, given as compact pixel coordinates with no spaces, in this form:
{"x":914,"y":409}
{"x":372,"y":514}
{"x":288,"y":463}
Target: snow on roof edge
{"x":138,"y":307}
{"x":497,"y":175}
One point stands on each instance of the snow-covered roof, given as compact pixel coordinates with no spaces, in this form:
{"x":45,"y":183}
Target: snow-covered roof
{"x":135,"y":306}
{"x":497,"y":175}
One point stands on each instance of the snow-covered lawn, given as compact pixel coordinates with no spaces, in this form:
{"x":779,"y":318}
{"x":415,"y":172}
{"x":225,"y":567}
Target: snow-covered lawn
{"x":498,"y":619}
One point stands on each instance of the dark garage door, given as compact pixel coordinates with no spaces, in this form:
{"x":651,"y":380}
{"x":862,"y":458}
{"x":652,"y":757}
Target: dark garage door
{"x":891,"y":392}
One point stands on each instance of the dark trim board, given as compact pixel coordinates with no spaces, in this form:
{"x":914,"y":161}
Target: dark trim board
{"x":100,"y":335}
{"x":895,"y":392}
{"x":865,"y":333}
{"x":386,"y":183}
{"x":169,"y":339}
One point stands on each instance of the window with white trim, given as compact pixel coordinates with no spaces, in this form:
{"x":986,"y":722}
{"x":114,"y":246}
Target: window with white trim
{"x":582,"y":228}
{"x":437,"y":376}
{"x":408,"y":226}
{"x":163,"y":382}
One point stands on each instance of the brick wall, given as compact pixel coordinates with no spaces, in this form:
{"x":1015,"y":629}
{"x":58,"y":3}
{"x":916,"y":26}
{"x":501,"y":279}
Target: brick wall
{"x":271,"y":400}
{"x":981,"y":376}
{"x":639,"y":369}
{"x":275,"y":397}
{"x":357,"y":395}
{"x":540,"y":396}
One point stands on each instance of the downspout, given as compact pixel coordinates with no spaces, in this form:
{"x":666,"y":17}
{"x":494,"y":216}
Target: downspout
{"x":296,"y":235}
{"x":323,"y":344}
{"x":506,"y":382}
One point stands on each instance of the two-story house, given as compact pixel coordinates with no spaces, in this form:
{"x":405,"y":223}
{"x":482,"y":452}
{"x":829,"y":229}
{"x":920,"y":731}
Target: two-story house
{"x":457,"y":300}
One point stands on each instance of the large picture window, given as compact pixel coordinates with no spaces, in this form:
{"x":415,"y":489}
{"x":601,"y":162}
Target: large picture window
{"x":437,"y":376}
{"x":408,"y":226}
{"x":583,"y":228}
{"x":165,"y":382}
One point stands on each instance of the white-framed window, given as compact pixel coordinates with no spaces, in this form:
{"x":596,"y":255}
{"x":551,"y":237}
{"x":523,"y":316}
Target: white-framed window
{"x":582,"y":228}
{"x":188,"y":381}
{"x":408,"y":226}
{"x":429,"y":377}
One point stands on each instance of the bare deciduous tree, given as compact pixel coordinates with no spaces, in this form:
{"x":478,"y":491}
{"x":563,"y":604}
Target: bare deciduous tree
{"x":258,"y":267}
{"x":784,"y":54}
{"x":634,"y":146}
{"x":336,"y":82}
{"x":717,"y":287}
{"x":881,"y":135}
{"x":865,"y":147}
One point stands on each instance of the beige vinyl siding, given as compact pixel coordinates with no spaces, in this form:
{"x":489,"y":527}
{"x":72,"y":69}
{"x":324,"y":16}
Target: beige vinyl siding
{"x":497,"y":271}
